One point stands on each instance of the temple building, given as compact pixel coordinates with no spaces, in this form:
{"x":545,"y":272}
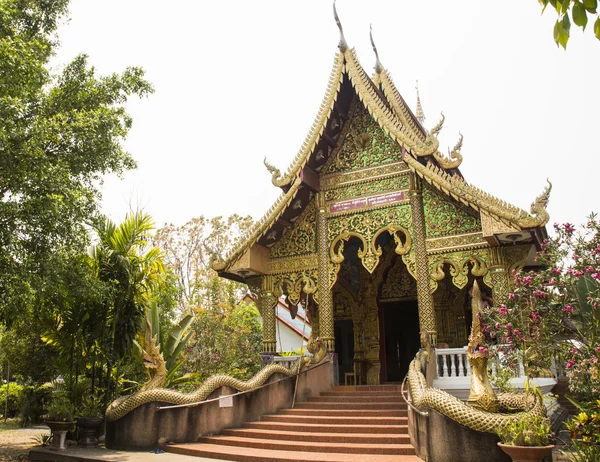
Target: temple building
{"x":378,"y":234}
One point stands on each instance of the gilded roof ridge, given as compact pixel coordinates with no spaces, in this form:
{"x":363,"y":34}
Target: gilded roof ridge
{"x":259,"y":229}
{"x":480,"y":200}
{"x":317,"y":127}
{"x":386,"y":119}
{"x":399,"y":105}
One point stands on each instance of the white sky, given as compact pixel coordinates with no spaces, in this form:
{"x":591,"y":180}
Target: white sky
{"x":237,"y":81}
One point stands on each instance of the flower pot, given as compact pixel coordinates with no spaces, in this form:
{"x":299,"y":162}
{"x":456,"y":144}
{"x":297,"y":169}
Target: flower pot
{"x":59,"y":433}
{"x":88,"y":431}
{"x":526,"y":453}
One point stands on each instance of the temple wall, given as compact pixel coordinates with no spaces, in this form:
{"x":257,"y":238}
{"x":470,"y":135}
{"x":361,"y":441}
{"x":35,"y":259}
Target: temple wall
{"x":145,"y":427}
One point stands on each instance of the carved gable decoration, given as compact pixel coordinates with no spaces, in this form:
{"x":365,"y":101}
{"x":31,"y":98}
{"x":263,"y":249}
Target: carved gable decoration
{"x":300,"y":238}
{"x":444,"y":216}
{"x":398,"y":283}
{"x":362,"y":143}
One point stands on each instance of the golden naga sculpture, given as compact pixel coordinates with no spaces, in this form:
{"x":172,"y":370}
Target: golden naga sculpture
{"x":124,"y":405}
{"x":485,"y":412}
{"x":153,"y":361}
{"x":274,"y":171}
{"x":482,"y":395}
{"x":454,"y":158}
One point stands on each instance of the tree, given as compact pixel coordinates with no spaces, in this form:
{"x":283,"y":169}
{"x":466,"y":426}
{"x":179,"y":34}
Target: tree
{"x":133,"y":271}
{"x":192,"y":248}
{"x":579,"y":12}
{"x":59,"y":135}
{"x":227,"y":333}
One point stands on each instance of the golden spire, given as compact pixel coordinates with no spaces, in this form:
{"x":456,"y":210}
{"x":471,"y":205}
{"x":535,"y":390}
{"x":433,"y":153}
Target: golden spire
{"x":378,"y":67}
{"x":420,"y":114}
{"x":343,"y":46}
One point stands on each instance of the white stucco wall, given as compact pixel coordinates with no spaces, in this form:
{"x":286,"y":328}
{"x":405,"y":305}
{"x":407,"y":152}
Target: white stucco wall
{"x":288,"y":339}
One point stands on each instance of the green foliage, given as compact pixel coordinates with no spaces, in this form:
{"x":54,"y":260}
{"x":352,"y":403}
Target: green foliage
{"x":60,"y":408}
{"x":59,"y":135}
{"x":576,"y":11}
{"x":14,"y":396}
{"x":585,"y":432}
{"x":528,"y":431}
{"x":33,"y":403}
{"x":91,"y":406}
{"x":227,"y":340}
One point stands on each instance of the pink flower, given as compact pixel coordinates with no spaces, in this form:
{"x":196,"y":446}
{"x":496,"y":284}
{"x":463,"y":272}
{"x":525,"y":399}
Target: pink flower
{"x":498,"y":327}
{"x":574,"y":350}
{"x":502,"y":311}
{"x":527,"y":280}
{"x":570,"y":363}
{"x":598,"y":349}
{"x":552,"y":282}
{"x":535,"y":315}
{"x":569,"y":228}
{"x":511,"y":296}
{"x":555,"y":271}
{"x":509,"y":326}
{"x":568,"y":308}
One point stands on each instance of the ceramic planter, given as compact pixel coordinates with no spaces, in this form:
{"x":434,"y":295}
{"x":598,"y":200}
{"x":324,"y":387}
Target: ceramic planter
{"x":526,"y":453}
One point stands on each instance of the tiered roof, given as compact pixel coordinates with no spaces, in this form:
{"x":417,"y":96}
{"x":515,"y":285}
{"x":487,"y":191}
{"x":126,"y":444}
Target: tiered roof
{"x":419,"y":148}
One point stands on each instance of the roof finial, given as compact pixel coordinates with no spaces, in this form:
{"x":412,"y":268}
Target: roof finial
{"x":420,"y":114}
{"x":343,"y":46}
{"x":378,"y":67}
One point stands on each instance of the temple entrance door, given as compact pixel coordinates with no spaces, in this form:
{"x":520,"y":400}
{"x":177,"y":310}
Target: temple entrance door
{"x":401,"y":337}
{"x":344,"y":346}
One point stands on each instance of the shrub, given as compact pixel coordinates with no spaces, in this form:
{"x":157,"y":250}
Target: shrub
{"x":14,"y":395}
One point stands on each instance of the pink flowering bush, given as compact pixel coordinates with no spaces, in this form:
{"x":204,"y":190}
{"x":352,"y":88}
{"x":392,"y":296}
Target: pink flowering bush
{"x":555,"y":312}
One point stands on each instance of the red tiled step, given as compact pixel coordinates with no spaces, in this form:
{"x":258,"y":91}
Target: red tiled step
{"x":241,"y":454}
{"x":336,"y":419}
{"x":347,"y":448}
{"x":366,"y":388}
{"x":347,"y":412}
{"x":355,"y":400}
{"x":332,"y":427}
{"x":320,"y":437}
{"x":351,"y":405}
{"x":355,"y":394}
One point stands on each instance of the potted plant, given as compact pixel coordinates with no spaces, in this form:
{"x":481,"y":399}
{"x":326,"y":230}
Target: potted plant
{"x":89,"y":421}
{"x":59,"y":418}
{"x":528,"y":439}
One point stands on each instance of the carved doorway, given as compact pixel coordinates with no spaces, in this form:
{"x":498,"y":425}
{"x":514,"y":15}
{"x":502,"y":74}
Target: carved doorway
{"x":344,"y":347}
{"x":400,"y":338}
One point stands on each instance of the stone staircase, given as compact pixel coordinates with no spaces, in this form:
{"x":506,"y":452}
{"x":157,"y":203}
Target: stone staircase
{"x":363,"y":423}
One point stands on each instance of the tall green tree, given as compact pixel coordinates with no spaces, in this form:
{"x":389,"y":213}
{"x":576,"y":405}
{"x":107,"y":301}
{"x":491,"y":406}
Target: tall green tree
{"x":60,"y":133}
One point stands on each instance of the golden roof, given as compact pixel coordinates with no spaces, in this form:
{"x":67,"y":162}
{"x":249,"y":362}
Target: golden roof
{"x":420,"y":153}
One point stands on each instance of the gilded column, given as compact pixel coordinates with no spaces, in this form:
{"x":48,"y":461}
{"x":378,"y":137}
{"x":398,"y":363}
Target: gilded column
{"x":325,"y":295}
{"x":267,"y":302}
{"x":499,"y":275}
{"x":425,"y":298}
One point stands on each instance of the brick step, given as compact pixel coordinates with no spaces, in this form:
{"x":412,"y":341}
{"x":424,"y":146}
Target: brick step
{"x":241,"y":454}
{"x":363,"y":388}
{"x":335,"y":419}
{"x":340,"y":426}
{"x":318,"y":437}
{"x":356,"y":399}
{"x":393,"y":394}
{"x":347,"y":448}
{"x":347,"y":412}
{"x":351,"y":405}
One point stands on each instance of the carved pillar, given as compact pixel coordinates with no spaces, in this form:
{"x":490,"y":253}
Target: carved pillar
{"x":425,"y":298}
{"x":499,"y":276}
{"x":325,"y":295}
{"x":266,"y":305}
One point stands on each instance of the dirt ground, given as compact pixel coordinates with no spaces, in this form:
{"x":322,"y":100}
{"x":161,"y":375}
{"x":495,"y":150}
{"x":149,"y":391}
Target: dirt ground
{"x":14,"y":444}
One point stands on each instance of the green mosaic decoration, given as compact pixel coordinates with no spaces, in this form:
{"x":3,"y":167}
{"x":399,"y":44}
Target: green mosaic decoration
{"x":372,"y":187}
{"x":363,"y":143}
{"x":301,"y":238}
{"x":445,"y":217}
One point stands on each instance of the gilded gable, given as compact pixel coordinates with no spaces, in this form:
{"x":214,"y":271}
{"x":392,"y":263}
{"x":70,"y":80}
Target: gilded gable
{"x":362,"y":143}
{"x":444,"y":216}
{"x":300,"y":238}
